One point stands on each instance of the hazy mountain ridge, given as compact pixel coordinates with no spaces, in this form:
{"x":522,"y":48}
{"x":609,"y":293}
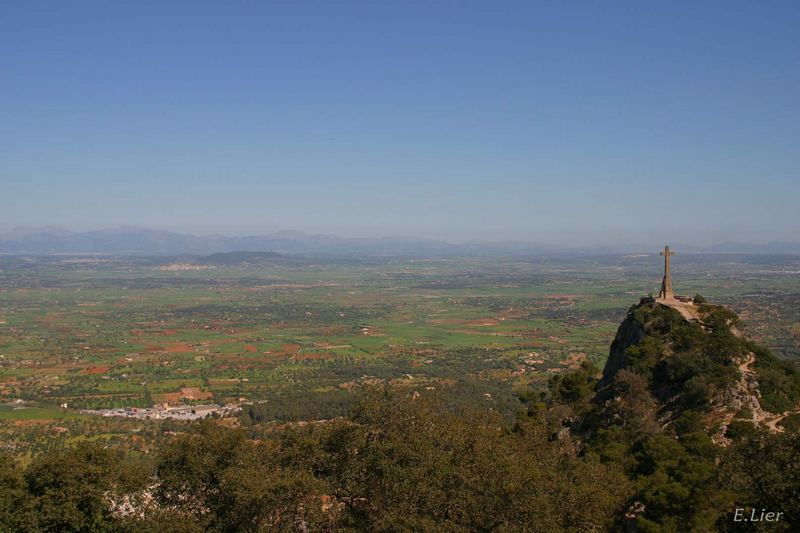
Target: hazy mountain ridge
{"x":133,"y":240}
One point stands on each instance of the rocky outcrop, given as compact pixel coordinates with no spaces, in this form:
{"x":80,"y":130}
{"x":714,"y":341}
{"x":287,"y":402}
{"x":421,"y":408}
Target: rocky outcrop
{"x":629,"y":333}
{"x":735,"y":398}
{"x":742,"y":396}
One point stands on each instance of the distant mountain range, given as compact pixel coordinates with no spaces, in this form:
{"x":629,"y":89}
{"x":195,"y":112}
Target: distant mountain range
{"x":138,"y":241}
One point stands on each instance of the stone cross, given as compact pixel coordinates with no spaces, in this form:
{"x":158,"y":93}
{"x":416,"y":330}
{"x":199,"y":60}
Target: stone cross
{"x":666,"y":284}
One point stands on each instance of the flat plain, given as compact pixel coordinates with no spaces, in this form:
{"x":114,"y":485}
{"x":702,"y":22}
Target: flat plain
{"x":302,"y":336}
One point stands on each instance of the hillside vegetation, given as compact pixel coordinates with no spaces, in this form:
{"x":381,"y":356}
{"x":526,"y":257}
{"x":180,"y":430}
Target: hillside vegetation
{"x":671,"y":393}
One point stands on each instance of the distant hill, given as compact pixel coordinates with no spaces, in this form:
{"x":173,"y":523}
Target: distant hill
{"x":128,"y":240}
{"x":137,"y":241}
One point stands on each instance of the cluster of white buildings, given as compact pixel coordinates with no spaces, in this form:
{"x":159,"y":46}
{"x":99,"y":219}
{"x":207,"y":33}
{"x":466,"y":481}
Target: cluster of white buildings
{"x":161,"y":412}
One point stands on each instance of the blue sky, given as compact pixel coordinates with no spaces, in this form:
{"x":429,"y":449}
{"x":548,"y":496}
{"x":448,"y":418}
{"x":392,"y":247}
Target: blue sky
{"x":559,"y":122}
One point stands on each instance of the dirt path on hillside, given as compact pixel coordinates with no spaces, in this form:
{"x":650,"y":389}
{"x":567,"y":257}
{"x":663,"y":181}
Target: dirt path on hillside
{"x":745,"y":366}
{"x":762,"y":417}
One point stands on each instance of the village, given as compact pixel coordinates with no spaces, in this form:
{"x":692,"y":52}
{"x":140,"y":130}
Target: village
{"x":167,"y":411}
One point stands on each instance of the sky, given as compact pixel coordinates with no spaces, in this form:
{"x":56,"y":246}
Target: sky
{"x":556,"y":122}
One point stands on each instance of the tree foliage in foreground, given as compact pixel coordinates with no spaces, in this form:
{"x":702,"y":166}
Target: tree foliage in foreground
{"x":399,"y":462}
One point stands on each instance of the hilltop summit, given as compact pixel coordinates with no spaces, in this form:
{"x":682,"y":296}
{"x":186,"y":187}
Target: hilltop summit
{"x":703,"y":364}
{"x":685,"y":406}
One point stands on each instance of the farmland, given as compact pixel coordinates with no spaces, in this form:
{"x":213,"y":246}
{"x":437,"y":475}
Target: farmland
{"x":304,"y":335}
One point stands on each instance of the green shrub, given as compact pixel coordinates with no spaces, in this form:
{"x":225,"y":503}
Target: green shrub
{"x":778,"y":381}
{"x":791,"y":423}
{"x":739,"y":429}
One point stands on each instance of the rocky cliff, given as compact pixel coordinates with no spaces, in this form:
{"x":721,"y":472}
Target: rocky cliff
{"x":630,"y":333}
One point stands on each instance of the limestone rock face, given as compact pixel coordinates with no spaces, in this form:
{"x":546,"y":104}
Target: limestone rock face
{"x":629,"y":333}
{"x":737,"y":398}
{"x":743,"y":394}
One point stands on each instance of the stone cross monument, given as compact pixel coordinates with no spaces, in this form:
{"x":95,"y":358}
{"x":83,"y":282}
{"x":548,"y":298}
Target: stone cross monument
{"x":666,"y":284}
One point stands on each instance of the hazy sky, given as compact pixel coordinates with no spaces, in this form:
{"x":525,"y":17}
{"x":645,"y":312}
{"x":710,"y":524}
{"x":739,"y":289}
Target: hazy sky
{"x":561,"y":122}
